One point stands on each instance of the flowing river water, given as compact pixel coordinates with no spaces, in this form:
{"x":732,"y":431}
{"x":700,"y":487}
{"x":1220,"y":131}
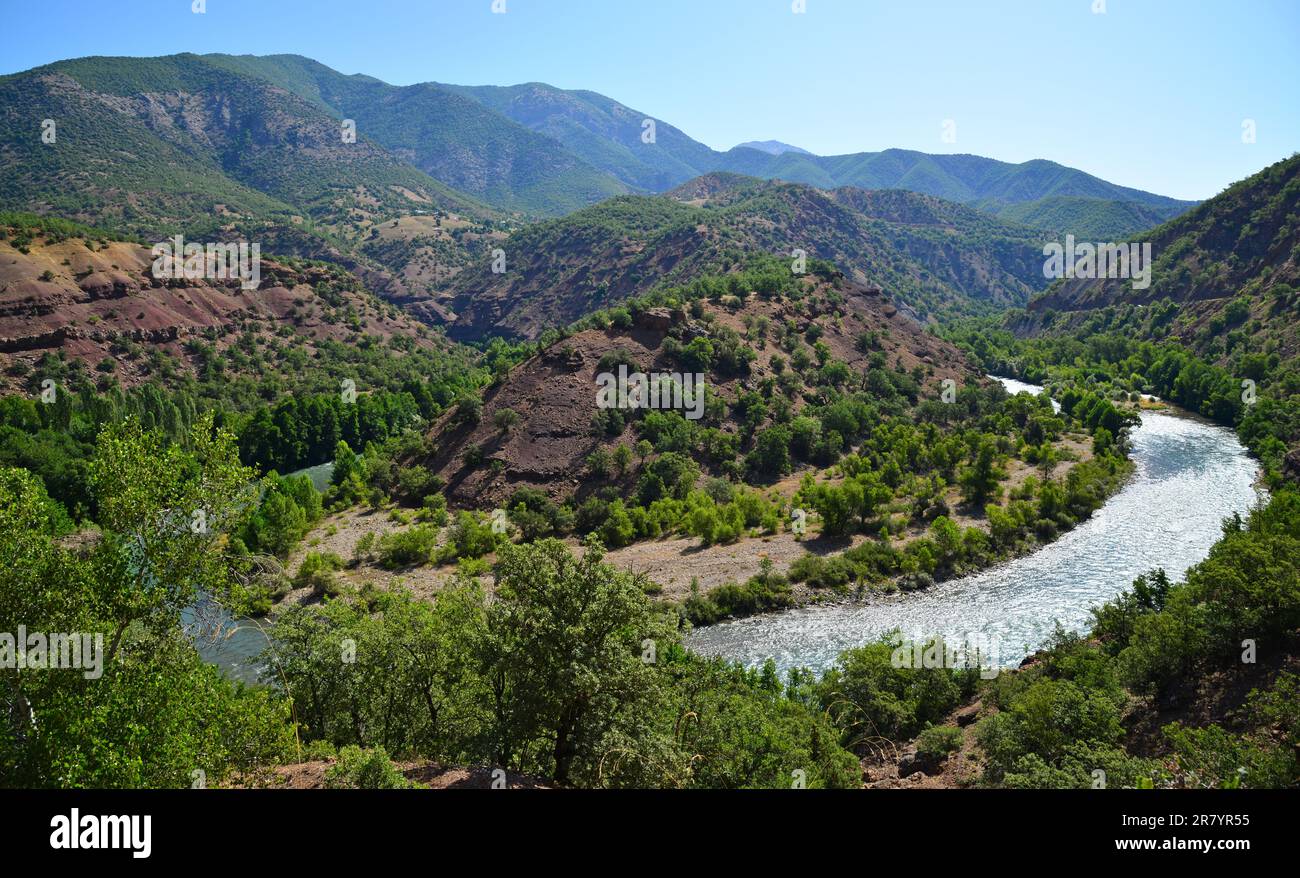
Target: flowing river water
{"x":235,"y":644}
{"x":1190,"y":475}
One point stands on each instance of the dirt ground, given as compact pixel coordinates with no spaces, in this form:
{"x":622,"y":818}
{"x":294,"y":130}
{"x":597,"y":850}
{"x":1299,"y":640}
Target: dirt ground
{"x":430,"y":775}
{"x":339,"y":533}
{"x":672,"y":563}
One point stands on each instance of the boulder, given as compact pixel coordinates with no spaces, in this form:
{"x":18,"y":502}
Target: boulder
{"x":966,"y":715}
{"x":659,"y":319}
{"x":912,"y":763}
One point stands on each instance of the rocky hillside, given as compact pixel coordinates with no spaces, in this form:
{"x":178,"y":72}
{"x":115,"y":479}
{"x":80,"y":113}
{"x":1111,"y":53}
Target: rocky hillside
{"x":930,"y":256}
{"x":165,"y":144}
{"x":448,"y":135}
{"x":553,"y":395}
{"x":74,"y":293}
{"x":1228,"y":269}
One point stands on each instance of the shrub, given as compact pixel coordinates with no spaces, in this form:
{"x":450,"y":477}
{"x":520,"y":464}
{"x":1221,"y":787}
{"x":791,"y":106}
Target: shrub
{"x":937,"y":742}
{"x":414,"y":546}
{"x":505,"y":420}
{"x":470,"y":537}
{"x":359,"y":769}
{"x":762,"y":593}
{"x":866,"y":693}
{"x":317,"y":573}
{"x":434,"y":510}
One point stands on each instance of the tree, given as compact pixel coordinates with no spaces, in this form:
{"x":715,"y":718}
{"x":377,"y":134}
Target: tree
{"x":279,"y":524}
{"x":980,"y":481}
{"x":505,"y":419}
{"x":469,"y":411}
{"x":947,"y":539}
{"x":617,"y":531}
{"x":771,"y":454}
{"x":347,"y":465}
{"x":837,"y":507}
{"x":563,"y":651}
{"x":873,"y":493}
{"x":599,"y":463}
{"x":132,"y":717}
{"x":622,"y":458}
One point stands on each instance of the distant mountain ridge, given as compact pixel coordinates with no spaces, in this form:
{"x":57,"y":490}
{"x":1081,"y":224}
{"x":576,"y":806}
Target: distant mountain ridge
{"x":446,"y":134}
{"x":161,"y":143}
{"x":601,"y":132}
{"x":268,"y":126}
{"x":608,"y":135}
{"x":772,"y":147}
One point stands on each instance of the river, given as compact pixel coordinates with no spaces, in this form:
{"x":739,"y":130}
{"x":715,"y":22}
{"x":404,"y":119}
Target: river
{"x":234,"y":644}
{"x":1190,"y":475}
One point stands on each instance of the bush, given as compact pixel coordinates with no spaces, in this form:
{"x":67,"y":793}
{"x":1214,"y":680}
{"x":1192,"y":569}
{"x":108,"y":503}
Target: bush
{"x":405,"y":548}
{"x":359,"y":769}
{"x":469,"y":411}
{"x":937,"y":742}
{"x":317,"y":573}
{"x":865,"y":692}
{"x":470,"y":537}
{"x":434,"y":510}
{"x":505,"y":420}
{"x":1048,"y":719}
{"x":760,"y":594}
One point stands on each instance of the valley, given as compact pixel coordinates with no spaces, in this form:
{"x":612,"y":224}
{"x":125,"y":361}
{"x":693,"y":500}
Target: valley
{"x":358,"y":515}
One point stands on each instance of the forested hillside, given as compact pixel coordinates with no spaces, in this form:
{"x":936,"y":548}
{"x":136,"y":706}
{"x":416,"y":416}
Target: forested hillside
{"x":932,"y":258}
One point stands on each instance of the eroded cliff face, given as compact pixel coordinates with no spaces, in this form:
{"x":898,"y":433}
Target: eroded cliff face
{"x":97,"y":301}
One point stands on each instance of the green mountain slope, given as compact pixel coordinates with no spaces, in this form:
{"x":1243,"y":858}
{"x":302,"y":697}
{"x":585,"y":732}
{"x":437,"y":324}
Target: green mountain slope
{"x":602,"y":132}
{"x":1094,"y":219}
{"x":929,"y":256}
{"x":168,"y":144}
{"x":270,"y":124}
{"x":1225,"y":276}
{"x":607,"y":135}
{"x":963,"y":178}
{"x":450,"y":136}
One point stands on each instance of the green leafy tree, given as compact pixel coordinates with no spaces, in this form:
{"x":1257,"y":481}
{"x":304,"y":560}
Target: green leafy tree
{"x":563,"y":652}
{"x":149,"y":712}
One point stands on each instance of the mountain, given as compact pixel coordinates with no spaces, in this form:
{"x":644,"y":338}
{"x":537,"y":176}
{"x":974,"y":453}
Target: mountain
{"x":602,"y":132}
{"x":186,"y":138}
{"x":1093,"y":219}
{"x":608,"y":135}
{"x":446,"y":134}
{"x":169,"y":144}
{"x":772,"y":147}
{"x":1037,"y":193}
{"x":1224,"y":275}
{"x":245,"y":147}
{"x":961,"y":178}
{"x":550,"y":397}
{"x":932,"y":257}
{"x":221,"y":149}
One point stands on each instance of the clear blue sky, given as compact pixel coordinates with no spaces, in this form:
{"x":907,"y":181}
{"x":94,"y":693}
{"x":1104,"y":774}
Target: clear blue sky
{"x":1151,"y":94}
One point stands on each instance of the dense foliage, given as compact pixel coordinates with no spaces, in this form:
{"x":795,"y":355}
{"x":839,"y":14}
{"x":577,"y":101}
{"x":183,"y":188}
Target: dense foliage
{"x":152,"y":713}
{"x":1258,"y":393}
